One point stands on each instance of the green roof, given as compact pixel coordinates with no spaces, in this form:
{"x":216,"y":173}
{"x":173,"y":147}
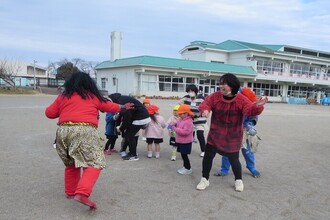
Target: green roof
{"x":176,"y":64}
{"x":231,"y":45}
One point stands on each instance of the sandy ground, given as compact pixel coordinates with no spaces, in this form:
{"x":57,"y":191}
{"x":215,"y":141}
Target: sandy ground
{"x":293,"y":160}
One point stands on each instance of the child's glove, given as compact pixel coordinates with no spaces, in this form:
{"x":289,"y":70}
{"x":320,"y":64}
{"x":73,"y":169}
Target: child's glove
{"x":169,"y":127}
{"x":251,"y":130}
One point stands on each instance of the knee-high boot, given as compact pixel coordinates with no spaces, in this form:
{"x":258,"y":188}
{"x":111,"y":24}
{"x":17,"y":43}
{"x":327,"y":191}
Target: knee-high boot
{"x":71,"y":180}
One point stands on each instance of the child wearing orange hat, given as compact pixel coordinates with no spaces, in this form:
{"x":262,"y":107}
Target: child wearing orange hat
{"x":154,"y":132}
{"x":184,"y":129}
{"x":171,"y":133}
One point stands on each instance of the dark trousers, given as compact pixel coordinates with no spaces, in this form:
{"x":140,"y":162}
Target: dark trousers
{"x":111,"y":142}
{"x":129,"y":135}
{"x":210,"y":152}
{"x":201,"y":139}
{"x":186,"y":162}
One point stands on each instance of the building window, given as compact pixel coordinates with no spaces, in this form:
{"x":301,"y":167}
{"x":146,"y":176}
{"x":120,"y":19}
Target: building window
{"x":262,"y":89}
{"x":103,"y":82}
{"x":299,"y":91}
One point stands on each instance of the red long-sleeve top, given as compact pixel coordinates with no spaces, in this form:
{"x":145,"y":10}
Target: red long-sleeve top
{"x":226,"y":130}
{"x":76,"y":109}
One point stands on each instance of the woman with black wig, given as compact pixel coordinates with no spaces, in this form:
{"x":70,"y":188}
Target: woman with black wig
{"x":77,"y":139}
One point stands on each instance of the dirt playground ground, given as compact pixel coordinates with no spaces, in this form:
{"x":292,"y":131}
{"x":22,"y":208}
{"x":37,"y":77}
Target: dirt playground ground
{"x":293,"y":158}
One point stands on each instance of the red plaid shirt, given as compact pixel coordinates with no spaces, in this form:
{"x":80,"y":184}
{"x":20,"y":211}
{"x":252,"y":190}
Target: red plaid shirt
{"x":226,"y":131}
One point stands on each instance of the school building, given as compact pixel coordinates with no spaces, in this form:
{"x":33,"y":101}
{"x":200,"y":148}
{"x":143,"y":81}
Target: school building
{"x":283,"y":73}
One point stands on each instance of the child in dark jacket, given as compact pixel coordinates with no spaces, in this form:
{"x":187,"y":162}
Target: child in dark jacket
{"x":111,"y":133}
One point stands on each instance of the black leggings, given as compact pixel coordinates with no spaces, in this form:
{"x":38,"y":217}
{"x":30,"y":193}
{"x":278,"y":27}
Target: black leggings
{"x":111,"y":142}
{"x":186,"y":162}
{"x":201,"y":139}
{"x":210,"y":152}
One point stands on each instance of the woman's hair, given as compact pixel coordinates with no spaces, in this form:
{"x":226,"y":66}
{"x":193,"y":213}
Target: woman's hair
{"x":82,"y":84}
{"x":192,"y":87}
{"x":232,"y":81}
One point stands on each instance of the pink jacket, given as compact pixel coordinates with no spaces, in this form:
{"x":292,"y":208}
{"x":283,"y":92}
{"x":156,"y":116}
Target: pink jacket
{"x":155,"y":129}
{"x":184,"y":129}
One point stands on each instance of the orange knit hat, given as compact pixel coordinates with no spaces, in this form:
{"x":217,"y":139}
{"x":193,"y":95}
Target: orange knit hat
{"x":152,"y":109}
{"x":185,"y":109}
{"x":146,"y":101}
{"x":246,"y":91}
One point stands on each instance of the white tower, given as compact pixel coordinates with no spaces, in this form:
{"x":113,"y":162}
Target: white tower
{"x":115,"y":45}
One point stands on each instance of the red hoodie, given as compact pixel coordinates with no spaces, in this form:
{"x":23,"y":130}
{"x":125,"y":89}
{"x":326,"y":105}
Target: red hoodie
{"x":76,"y":109}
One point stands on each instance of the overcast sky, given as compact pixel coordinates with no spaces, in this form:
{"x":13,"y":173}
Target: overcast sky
{"x":50,"y":30}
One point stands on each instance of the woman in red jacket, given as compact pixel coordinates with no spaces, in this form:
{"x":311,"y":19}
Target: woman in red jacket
{"x":77,"y":139}
{"x":226,"y":131}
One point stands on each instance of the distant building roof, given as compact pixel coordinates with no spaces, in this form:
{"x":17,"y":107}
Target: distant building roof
{"x":233,"y":45}
{"x":153,"y":61}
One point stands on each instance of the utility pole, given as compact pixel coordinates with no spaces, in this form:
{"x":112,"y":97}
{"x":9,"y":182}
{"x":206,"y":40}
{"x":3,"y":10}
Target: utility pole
{"x":34,"y":74}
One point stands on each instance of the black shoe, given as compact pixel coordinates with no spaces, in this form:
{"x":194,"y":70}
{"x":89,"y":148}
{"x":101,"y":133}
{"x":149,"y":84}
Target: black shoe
{"x":130,"y":157}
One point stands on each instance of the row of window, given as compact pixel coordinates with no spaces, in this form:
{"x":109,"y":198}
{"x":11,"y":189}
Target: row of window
{"x":276,"y":66}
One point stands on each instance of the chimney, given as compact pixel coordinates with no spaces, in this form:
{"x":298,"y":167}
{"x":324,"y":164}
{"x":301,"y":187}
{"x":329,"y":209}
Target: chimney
{"x":115,"y":45}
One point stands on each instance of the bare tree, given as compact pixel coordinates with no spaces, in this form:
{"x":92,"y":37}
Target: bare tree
{"x":8,"y":71}
{"x":82,"y":65}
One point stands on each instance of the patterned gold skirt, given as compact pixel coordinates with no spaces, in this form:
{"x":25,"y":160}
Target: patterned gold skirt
{"x":80,"y":145}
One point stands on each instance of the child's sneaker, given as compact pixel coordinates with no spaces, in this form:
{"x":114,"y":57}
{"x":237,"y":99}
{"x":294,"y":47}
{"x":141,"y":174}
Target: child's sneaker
{"x":131,"y":157}
{"x":123,"y":153}
{"x":149,"y":154}
{"x":220,"y":173}
{"x":184,"y":171}
{"x":203,"y":184}
{"x":157,"y":155}
{"x":173,"y":158}
{"x":113,"y":151}
{"x":255,"y":173}
{"x":239,"y":185}
{"x":107,"y":152}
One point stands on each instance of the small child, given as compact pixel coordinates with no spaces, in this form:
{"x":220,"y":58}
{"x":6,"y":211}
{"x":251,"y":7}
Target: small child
{"x":171,"y":133}
{"x":111,"y":133}
{"x":154,"y":131}
{"x":184,"y":129}
{"x":146,"y":103}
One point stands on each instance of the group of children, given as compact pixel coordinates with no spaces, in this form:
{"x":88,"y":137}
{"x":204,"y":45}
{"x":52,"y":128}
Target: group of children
{"x":181,"y":131}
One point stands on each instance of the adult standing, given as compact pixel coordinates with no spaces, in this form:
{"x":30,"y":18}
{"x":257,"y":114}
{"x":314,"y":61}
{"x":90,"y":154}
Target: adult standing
{"x":193,"y":99}
{"x":226,"y":132}
{"x":132,"y":121}
{"x":77,"y":139}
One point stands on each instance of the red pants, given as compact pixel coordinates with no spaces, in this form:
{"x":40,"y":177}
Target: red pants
{"x":75,"y":183}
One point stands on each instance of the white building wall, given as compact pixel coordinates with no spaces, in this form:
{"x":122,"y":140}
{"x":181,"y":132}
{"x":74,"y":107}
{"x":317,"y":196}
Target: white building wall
{"x":198,"y":55}
{"x":216,"y":56}
{"x":118,"y":80}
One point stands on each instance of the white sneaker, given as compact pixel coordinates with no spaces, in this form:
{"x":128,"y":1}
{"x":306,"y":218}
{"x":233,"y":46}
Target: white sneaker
{"x":239,"y":186}
{"x":173,"y":158}
{"x":184,"y":171}
{"x":149,"y":154}
{"x":157,"y":155}
{"x":203,"y":184}
{"x":202,"y":154}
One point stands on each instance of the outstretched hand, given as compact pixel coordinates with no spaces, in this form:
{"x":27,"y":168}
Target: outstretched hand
{"x":261,"y":100}
{"x":129,"y":106}
{"x":206,"y":113}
